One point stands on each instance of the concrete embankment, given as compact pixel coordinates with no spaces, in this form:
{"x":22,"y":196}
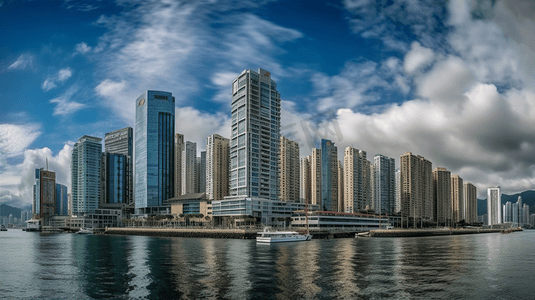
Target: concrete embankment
{"x":428,"y":232}
{"x":199,"y":233}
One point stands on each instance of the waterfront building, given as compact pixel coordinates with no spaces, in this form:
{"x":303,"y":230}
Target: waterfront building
{"x":44,"y":194}
{"x":518,"y":210}
{"x":289,"y":170}
{"x":416,"y":187}
{"x":306,"y":180}
{"x":191,"y":204}
{"x":514,"y":213}
{"x":85,"y":174}
{"x":315,"y":177}
{"x":329,"y":176}
{"x":121,"y":142}
{"x":179,"y":147}
{"x":266,"y":211}
{"x":397,"y":208}
{"x":340,"y":186}
{"x":356,"y":180}
{"x":255,"y":136}
{"x":61,"y":206}
{"x":494,"y":205}
{"x":384,"y":184}
{"x":217,"y":167}
{"x":470,"y":200}
{"x":189,"y":168}
{"x":508,"y":212}
{"x":457,"y":198}
{"x":114,"y":179}
{"x":201,"y":173}
{"x":338,"y":220}
{"x":442,"y":196}
{"x":154,"y":152}
{"x":525,"y":213}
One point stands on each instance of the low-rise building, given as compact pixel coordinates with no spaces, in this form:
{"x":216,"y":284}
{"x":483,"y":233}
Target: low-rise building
{"x":339,"y":220}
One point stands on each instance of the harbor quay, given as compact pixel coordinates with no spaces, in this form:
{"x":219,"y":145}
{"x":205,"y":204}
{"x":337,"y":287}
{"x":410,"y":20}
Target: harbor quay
{"x":432,"y":232}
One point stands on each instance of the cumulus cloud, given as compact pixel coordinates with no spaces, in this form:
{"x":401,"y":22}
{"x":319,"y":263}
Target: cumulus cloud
{"x":23,"y":62}
{"x":16,"y":181}
{"x":60,"y":77}
{"x":14,"y":139}
{"x":197,"y":125}
{"x":418,"y":57}
{"x":65,"y":105}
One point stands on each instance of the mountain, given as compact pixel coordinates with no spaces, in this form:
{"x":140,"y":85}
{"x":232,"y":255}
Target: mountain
{"x":528,"y":197}
{"x":6,"y":210}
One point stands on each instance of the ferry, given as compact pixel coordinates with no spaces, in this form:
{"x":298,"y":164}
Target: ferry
{"x":267,"y":237}
{"x":85,"y":231}
{"x":33,"y":225}
{"x":3,"y":228}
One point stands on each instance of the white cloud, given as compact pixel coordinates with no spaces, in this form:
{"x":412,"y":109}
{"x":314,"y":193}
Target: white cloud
{"x":418,"y":57}
{"x":23,"y":62}
{"x":60,"y":77}
{"x":82,"y":48}
{"x":16,"y":181}
{"x":197,"y":126}
{"x":65,"y":105}
{"x":14,"y":139}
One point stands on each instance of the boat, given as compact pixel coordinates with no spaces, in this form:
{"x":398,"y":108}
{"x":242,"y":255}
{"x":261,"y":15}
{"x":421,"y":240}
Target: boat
{"x":362,"y":234}
{"x":85,"y":231}
{"x":3,"y":228}
{"x":268,"y":237}
{"x":33,"y":225}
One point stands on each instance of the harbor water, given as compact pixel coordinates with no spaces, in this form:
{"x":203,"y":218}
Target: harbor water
{"x":71,"y":266}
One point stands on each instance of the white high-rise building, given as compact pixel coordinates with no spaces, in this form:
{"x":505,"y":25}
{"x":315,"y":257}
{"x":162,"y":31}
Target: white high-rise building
{"x":189,"y":168}
{"x":397,"y":207}
{"x":494,"y":205}
{"x":255,"y":136}
{"x":357,"y":192}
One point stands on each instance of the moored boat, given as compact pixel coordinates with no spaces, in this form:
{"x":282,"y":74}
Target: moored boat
{"x":85,"y":231}
{"x":3,"y":228}
{"x":268,"y":237}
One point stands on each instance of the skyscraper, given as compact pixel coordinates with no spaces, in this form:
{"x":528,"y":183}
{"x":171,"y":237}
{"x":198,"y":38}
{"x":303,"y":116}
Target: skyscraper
{"x":357,"y":192}
{"x":61,"y":207}
{"x":494,"y":205}
{"x":154,"y":155}
{"x":384,"y":186}
{"x":115,"y":183}
{"x":470,"y":200}
{"x":442,"y":196}
{"x":329,"y":176}
{"x":179,"y":147}
{"x":397,"y":208}
{"x":340,"y":187}
{"x":315,"y":177}
{"x":457,"y":198}
{"x":306,"y":180}
{"x":189,"y":168}
{"x":44,"y":193}
{"x":201,"y":173}
{"x":217,"y":167}
{"x":255,"y":133}
{"x":85,"y":175}
{"x":121,"y":142}
{"x":416,"y":188}
{"x":289,"y":170}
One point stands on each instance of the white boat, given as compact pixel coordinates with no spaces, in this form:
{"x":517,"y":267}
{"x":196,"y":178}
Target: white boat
{"x":85,"y":231}
{"x":281,"y":236}
{"x":3,"y":228}
{"x":33,"y":225}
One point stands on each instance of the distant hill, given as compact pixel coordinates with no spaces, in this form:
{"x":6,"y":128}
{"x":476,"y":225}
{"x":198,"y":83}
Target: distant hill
{"x":528,"y":197}
{"x":6,"y":210}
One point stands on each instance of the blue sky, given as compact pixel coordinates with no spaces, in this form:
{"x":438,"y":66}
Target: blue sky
{"x":452,"y":81}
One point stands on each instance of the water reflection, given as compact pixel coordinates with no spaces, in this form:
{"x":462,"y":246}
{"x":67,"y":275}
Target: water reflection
{"x":307,"y":266}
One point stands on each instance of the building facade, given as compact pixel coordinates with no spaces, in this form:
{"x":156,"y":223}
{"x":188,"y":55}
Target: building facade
{"x":255,"y":134}
{"x":61,"y":206}
{"x":457,"y":198}
{"x":201,"y":173}
{"x":329,"y":176}
{"x":384,"y":184}
{"x":122,"y":142}
{"x":189,"y":168}
{"x":306,"y":180}
{"x":470,"y":200}
{"x":357,"y":192}
{"x":85,"y":175}
{"x":217,"y":167}
{"x":315,"y":177}
{"x":443,"y":209}
{"x":179,"y":147}
{"x":416,"y":188}
{"x":154,"y":151}
{"x":494,"y":205}
{"x":289,"y":170}
{"x":44,"y":194}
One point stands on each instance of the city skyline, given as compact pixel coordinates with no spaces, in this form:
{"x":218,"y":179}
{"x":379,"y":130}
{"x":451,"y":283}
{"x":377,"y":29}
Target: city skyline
{"x":391,"y":86}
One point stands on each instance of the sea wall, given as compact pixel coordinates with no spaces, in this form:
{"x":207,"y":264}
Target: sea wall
{"x":174,"y":232}
{"x":427,"y":232}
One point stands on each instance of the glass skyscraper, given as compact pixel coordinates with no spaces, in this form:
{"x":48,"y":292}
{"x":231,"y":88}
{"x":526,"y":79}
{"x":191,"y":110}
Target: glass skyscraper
{"x":85,"y":175}
{"x":329,"y":176}
{"x":117,"y":167}
{"x":255,"y":134}
{"x":61,"y":200}
{"x":384,"y":184}
{"x":154,"y":151}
